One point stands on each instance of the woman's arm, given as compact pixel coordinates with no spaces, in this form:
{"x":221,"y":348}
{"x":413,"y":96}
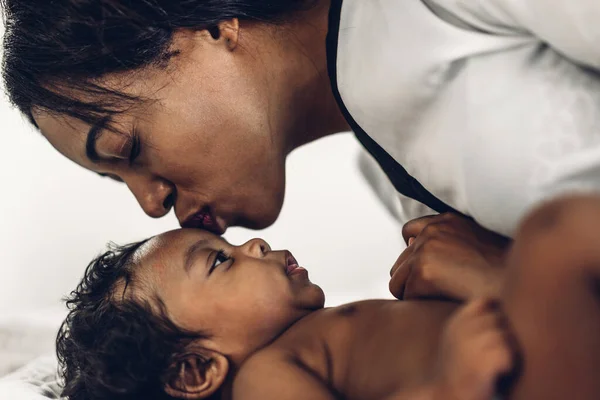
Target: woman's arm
{"x":571,"y":27}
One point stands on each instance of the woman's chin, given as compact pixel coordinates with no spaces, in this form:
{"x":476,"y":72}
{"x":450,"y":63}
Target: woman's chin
{"x":262,"y":220}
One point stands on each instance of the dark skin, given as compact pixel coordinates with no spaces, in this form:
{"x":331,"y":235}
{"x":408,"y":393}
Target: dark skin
{"x":557,"y":317}
{"x":383,"y":350}
{"x":451,"y":257}
{"x":549,"y":288}
{"x":414,"y":350}
{"x":386,"y":349}
{"x":214,"y":127}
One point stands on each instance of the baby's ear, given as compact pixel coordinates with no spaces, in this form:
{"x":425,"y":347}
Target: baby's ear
{"x":196,"y":375}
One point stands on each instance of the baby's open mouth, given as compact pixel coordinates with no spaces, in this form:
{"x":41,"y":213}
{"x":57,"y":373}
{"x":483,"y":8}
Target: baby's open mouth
{"x":291,"y":264}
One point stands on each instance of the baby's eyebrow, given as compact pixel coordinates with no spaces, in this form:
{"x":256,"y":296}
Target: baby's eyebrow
{"x":191,"y":252}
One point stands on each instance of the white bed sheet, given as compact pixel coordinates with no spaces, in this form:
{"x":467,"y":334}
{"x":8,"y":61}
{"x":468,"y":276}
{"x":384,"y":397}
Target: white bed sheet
{"x":26,"y":335}
{"x":38,"y":380}
{"x":28,"y":366}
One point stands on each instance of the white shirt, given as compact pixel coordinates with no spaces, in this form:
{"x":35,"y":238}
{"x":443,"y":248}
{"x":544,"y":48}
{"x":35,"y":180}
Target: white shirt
{"x":493,"y":106}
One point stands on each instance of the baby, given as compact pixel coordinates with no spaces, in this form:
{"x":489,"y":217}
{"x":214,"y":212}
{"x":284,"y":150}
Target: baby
{"x":187,"y":315}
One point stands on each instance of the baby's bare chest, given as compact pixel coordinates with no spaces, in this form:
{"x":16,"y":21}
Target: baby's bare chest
{"x":371,"y":349}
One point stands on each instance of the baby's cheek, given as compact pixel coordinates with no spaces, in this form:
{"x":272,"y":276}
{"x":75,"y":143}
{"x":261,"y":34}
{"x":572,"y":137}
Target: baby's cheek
{"x":273,"y":308}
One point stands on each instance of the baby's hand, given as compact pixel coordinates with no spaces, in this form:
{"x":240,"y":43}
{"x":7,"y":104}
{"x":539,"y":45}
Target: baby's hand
{"x":475,"y":351}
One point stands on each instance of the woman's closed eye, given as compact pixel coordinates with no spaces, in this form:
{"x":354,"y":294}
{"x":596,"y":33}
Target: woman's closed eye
{"x":219,"y":259}
{"x":135,"y":147}
{"x":111,"y":176}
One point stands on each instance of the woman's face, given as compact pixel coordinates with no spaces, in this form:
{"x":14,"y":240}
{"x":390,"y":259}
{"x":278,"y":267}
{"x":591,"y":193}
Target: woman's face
{"x":211,"y":141}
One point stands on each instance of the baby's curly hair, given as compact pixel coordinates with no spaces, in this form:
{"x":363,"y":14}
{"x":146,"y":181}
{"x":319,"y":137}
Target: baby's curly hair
{"x":112,"y":347}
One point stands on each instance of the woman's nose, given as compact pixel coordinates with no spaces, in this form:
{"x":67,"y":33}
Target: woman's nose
{"x":155,"y":196}
{"x":256,"y":248}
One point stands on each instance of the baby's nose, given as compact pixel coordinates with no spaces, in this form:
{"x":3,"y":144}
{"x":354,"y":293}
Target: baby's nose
{"x":257,"y":247}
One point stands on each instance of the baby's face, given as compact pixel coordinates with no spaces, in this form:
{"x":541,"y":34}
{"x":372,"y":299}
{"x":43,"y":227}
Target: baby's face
{"x":242,"y":296}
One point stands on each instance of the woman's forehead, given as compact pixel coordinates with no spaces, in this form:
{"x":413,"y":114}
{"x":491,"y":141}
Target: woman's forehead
{"x":65,"y":134}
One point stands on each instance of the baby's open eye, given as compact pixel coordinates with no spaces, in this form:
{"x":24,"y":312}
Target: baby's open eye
{"x":220,"y":258}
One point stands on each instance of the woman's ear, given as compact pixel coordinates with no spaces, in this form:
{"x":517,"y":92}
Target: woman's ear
{"x":225,"y":33}
{"x":230,"y":31}
{"x":196,"y":375}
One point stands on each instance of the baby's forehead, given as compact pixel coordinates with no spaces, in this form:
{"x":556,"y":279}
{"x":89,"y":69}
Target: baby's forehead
{"x":161,"y":259}
{"x":171,"y":246}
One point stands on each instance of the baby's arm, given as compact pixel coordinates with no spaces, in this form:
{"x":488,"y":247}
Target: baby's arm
{"x":476,"y":349}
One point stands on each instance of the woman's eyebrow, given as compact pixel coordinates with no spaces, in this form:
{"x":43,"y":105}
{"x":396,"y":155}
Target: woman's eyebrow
{"x":92,"y":136}
{"x":192,"y":252}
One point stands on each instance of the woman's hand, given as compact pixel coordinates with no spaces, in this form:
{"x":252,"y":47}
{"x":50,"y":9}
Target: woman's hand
{"x":448,"y":256}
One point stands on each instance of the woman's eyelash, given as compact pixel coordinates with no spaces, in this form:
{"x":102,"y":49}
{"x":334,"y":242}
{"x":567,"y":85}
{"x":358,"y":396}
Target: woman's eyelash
{"x":135,"y":147}
{"x":111,"y":176}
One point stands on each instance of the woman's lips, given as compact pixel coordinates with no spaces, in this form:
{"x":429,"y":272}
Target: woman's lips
{"x":204,"y":219}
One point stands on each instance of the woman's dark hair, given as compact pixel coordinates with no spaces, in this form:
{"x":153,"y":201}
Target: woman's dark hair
{"x":52,"y":47}
{"x":112,"y":347}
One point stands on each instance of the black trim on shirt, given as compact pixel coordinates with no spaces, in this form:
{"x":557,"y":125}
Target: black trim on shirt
{"x":400,"y":178}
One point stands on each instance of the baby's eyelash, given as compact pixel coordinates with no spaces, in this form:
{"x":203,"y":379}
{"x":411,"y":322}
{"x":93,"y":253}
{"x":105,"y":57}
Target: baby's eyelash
{"x":220,"y":254}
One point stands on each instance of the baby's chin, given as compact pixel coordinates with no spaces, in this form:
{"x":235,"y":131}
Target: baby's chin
{"x":314,"y":300}
{"x":320,"y":302}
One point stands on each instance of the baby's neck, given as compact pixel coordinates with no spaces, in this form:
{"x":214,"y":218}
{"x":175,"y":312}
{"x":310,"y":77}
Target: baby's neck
{"x":226,"y":390}
{"x":236,"y":362}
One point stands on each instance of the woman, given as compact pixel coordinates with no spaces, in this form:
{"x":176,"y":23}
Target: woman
{"x":480,"y":108}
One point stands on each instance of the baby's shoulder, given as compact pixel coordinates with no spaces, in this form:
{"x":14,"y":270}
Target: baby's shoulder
{"x":327,"y":332}
{"x":259,"y":372}
{"x":310,"y":344}
{"x":334,"y":321}
{"x":286,"y":365}
{"x":317,"y":346}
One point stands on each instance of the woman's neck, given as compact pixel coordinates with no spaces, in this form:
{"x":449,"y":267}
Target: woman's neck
{"x":322,"y":116}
